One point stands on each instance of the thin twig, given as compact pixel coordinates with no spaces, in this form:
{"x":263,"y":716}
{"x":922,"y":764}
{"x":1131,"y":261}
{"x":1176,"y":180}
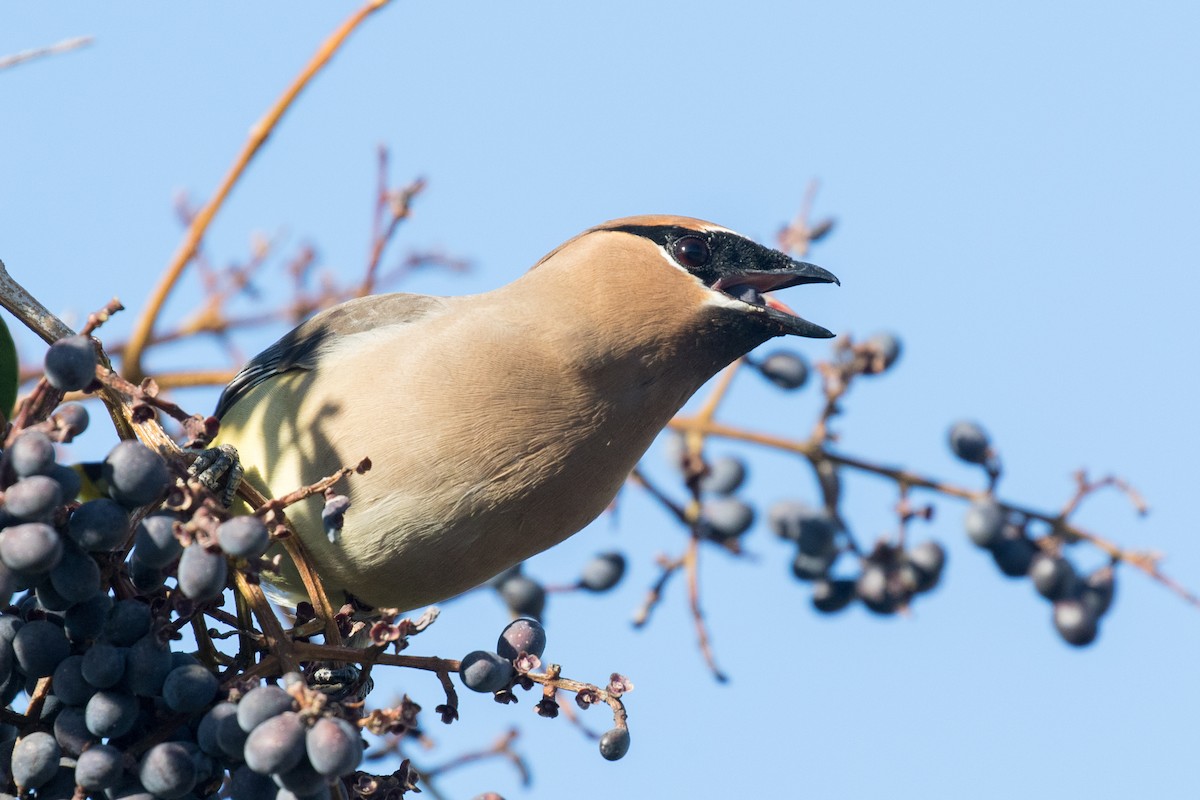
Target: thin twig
{"x":1085,"y":488}
{"x":719,"y":392}
{"x":797,"y":236}
{"x":268,"y":667}
{"x":205,"y":648}
{"x":295,"y":550}
{"x":194,"y":378}
{"x":654,"y":596}
{"x":41,"y":691}
{"x":692,"y":568}
{"x":35,"y":316}
{"x":147,"y":393}
{"x":305,"y":492}
{"x":64,"y":46}
{"x":502,"y":748}
{"x":310,"y":651}
{"x":25,"y":307}
{"x":275,"y":639}
{"x":396,"y":205}
{"x":568,"y":711}
{"x":639,"y":477}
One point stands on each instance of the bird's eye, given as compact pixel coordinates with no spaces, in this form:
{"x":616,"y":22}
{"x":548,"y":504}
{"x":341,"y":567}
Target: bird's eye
{"x":691,"y":251}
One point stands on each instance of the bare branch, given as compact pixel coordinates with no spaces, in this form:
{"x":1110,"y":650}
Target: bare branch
{"x":66,"y":45}
{"x":258,"y":137}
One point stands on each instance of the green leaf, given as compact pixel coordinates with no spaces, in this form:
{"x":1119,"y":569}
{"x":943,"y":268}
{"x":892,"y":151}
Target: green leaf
{"x":8,"y":372}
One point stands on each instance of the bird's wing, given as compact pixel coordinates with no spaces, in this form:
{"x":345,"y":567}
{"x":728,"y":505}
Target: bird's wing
{"x":303,"y":347}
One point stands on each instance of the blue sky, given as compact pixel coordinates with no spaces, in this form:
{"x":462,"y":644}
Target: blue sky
{"x":1014,"y":186}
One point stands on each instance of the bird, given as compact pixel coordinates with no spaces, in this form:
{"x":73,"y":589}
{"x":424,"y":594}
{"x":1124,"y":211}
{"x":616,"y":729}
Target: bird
{"x":497,"y":424}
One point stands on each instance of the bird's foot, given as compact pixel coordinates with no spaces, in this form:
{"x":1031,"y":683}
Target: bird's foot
{"x":220,"y":470}
{"x":345,"y":682}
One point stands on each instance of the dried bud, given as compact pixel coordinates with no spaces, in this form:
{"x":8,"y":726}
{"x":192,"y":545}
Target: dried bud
{"x":527,"y":662}
{"x":408,"y":711}
{"x":344,"y":619}
{"x":587,"y":697}
{"x":398,"y":720}
{"x":383,"y":633}
{"x":366,"y":785}
{"x":618,"y":685}
{"x":406,"y":777}
{"x":427,"y":618}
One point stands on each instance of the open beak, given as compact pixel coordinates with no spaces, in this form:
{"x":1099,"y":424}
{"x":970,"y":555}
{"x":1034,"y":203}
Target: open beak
{"x":751,"y":287}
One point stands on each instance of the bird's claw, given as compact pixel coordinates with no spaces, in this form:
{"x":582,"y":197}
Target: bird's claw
{"x":342,"y":683}
{"x":220,"y":470}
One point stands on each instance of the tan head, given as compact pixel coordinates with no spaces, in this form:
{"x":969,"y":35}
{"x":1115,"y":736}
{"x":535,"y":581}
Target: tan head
{"x":681,"y":274}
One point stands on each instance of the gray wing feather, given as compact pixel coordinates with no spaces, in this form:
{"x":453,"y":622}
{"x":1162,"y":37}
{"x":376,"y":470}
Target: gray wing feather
{"x":302,"y":348}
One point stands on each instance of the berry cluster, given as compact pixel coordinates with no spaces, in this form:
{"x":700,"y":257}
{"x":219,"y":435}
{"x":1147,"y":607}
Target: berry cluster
{"x":517,"y":655}
{"x":523,"y":640}
{"x":889,"y":576}
{"x":85,"y":635}
{"x":1079,"y":601}
{"x":275,"y":746}
{"x":112,"y":677}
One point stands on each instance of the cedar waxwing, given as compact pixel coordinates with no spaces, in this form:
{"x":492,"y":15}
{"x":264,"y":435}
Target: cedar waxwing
{"x":498,"y":424}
